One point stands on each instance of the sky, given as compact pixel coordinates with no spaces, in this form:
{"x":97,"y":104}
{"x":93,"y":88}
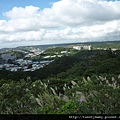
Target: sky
{"x":39,"y":22}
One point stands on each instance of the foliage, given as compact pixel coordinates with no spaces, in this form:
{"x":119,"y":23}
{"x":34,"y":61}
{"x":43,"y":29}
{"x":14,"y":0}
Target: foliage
{"x":87,"y":82}
{"x":104,"y":45}
{"x":18,"y":54}
{"x":95,"y":95}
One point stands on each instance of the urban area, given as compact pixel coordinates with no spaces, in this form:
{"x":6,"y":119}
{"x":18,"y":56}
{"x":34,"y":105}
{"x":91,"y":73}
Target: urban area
{"x":11,"y":63}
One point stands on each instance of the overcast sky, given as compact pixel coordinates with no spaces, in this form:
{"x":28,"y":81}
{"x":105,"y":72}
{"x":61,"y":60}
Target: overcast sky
{"x":36,"y":22}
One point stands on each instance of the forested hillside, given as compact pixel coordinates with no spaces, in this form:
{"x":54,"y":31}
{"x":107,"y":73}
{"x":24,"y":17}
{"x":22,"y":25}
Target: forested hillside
{"x":83,"y":63}
{"x":87,"y":82}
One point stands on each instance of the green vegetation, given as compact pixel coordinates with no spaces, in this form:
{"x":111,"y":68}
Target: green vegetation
{"x":96,"y":95}
{"x":17,"y":54}
{"x":87,"y":82}
{"x":35,"y":58}
{"x":107,"y":45}
{"x":82,"y":64}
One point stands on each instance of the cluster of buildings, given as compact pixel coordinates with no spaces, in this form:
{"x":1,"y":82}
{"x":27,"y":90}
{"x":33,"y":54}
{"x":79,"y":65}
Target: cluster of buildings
{"x":84,"y":47}
{"x":10,"y":63}
{"x":34,"y":52}
{"x":24,"y":65}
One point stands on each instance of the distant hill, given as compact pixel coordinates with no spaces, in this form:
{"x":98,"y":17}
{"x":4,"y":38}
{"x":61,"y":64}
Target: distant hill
{"x":43,"y":47}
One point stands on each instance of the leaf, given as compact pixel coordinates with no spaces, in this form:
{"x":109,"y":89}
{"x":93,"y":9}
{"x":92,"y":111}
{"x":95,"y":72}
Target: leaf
{"x":41,"y":83}
{"x":73,"y":82}
{"x":64,"y":88}
{"x":38,"y":101}
{"x":88,"y":78}
{"x":84,"y":80}
{"x":53,"y":90}
{"x":45,"y":85}
{"x":113,"y":79}
{"x":119,"y":76}
{"x":68,"y":87}
{"x":65,"y":85}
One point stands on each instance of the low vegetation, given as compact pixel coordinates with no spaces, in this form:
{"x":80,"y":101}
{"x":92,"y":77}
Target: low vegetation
{"x":95,"y":95}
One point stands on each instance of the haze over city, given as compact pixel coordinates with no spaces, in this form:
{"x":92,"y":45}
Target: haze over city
{"x":36,"y":22}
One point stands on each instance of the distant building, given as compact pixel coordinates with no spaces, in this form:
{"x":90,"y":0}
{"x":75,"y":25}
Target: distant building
{"x":78,"y":47}
{"x":89,"y":47}
{"x":36,"y":62}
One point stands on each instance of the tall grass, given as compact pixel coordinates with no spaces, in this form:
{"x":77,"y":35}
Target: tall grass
{"x":95,"y":95}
